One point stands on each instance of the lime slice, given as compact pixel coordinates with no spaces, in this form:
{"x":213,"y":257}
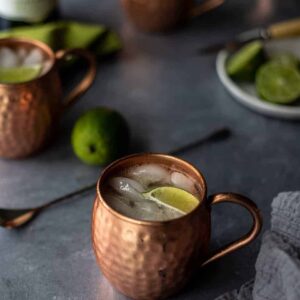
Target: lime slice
{"x":174,"y":198}
{"x":19,"y":74}
{"x":243,"y":64}
{"x":286,"y":59}
{"x":278,"y":83}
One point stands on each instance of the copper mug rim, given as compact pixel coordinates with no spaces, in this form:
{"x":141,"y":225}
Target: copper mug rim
{"x":32,"y":42}
{"x":151,"y":154}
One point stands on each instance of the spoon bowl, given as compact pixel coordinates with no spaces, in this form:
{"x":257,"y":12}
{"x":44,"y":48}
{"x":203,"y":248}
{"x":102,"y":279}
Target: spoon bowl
{"x":11,"y":218}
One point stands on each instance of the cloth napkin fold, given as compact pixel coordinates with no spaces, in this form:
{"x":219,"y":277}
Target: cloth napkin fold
{"x":68,"y":34}
{"x":278,"y":263}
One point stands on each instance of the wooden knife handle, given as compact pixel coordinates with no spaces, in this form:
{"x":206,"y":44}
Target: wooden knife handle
{"x":284,"y":29}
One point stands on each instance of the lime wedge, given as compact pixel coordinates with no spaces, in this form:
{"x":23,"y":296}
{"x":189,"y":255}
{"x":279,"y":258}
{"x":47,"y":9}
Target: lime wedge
{"x":19,"y":74}
{"x":243,"y":64}
{"x":278,"y":83}
{"x":173,"y":197}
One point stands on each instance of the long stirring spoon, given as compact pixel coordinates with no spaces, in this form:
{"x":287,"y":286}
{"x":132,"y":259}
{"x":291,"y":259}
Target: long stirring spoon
{"x":13,"y":218}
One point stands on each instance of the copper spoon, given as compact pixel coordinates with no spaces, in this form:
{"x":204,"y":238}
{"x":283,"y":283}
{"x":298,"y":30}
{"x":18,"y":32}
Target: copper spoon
{"x":13,"y":218}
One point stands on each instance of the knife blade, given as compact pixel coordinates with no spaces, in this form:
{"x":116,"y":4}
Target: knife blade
{"x":285,"y":29}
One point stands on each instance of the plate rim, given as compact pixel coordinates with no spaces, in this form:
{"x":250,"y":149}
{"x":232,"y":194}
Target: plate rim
{"x":252,"y":102}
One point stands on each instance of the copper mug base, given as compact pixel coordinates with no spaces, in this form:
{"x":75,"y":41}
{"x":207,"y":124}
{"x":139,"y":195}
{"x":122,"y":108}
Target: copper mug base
{"x":149,"y":260}
{"x":30,"y":110}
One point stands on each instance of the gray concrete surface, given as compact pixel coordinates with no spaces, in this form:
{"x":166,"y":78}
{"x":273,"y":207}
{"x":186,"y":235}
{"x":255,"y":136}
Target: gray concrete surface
{"x":170,"y":96}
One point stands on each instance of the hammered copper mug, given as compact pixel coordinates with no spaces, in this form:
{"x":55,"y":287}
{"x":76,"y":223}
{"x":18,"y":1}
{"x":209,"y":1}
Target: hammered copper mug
{"x":153,"y":260}
{"x":30,"y":110}
{"x":162,"y":15}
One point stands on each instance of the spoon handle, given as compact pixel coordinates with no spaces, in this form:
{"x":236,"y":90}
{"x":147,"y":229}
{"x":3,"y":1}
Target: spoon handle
{"x":216,"y":135}
{"x":67,"y":196}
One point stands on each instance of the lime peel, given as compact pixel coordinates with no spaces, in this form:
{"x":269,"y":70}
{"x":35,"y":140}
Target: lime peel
{"x":100,"y":136}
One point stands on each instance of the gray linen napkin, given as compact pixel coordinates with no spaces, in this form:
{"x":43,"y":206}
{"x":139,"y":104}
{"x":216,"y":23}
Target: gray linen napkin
{"x":278,"y":263}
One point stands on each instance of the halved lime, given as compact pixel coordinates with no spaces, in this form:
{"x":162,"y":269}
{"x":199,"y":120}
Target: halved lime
{"x":19,"y":74}
{"x":278,"y":83}
{"x":243,"y":64}
{"x":173,"y":197}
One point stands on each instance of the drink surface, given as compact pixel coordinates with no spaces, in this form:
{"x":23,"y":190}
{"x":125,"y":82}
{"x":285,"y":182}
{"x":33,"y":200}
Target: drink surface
{"x":21,"y":64}
{"x":151,"y":192}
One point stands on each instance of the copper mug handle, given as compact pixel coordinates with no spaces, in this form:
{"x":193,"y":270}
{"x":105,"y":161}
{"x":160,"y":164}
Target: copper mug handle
{"x":199,"y":9}
{"x":87,"y":80}
{"x":247,"y":238}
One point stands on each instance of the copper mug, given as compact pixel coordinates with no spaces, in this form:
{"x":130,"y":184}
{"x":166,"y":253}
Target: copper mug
{"x":153,"y":260}
{"x":30,"y":110}
{"x":162,"y":15}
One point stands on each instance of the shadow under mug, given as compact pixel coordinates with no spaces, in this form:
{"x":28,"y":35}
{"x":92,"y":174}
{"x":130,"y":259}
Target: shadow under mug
{"x":150,"y":259}
{"x":30,"y":110}
{"x":163,"y":15}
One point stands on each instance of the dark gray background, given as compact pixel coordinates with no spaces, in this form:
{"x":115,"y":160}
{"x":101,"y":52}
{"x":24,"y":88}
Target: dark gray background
{"x":170,"y":97}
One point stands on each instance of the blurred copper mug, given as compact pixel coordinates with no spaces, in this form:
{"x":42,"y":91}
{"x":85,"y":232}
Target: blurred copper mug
{"x":162,"y":15}
{"x":29,"y":110}
{"x":150,"y":259}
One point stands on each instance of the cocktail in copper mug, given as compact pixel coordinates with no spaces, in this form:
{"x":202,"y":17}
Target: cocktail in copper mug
{"x":30,"y":110}
{"x":163,"y":15}
{"x":153,"y":259}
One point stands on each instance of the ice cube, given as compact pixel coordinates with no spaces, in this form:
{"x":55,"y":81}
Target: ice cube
{"x":127,"y":187}
{"x":121,"y":204}
{"x":8,"y":58}
{"x":169,"y":214}
{"x":137,"y":209}
{"x":148,"y":174}
{"x":34,"y":57}
{"x":181,"y":181}
{"x":141,"y":209}
{"x":152,"y":211}
{"x":21,"y":53}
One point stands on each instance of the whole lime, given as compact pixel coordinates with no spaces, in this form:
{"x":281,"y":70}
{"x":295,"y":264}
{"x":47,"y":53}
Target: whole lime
{"x":99,"y":136}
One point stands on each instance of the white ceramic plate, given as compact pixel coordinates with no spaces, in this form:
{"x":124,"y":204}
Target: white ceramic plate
{"x":245,"y":93}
